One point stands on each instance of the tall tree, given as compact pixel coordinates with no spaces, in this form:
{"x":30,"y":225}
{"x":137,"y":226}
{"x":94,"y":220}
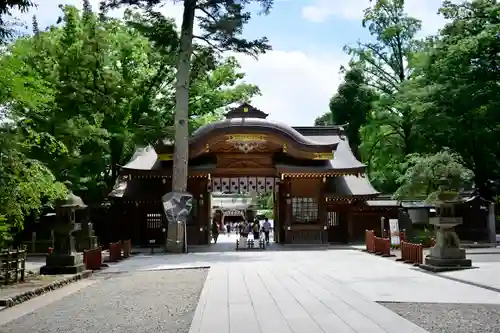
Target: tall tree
{"x":87,"y":93}
{"x":352,"y":104}
{"x":222,"y":23}
{"x":391,"y":133}
{"x":456,"y":88}
{"x":324,"y":120}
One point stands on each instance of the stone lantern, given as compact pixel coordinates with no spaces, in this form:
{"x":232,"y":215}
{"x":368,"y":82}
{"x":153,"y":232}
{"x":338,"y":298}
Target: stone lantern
{"x":446,"y":255}
{"x":64,"y":259}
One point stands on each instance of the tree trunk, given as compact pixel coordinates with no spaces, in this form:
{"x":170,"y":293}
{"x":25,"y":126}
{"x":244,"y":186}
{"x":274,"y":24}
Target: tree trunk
{"x":175,"y":237}
{"x":181,"y":149}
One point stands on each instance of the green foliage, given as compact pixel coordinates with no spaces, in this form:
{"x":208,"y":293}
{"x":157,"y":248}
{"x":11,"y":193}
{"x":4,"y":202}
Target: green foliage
{"x":26,"y":186}
{"x":432,"y":94}
{"x":266,"y":201}
{"x":221,"y":24}
{"x":457,"y":91}
{"x":425,"y":173}
{"x":350,"y":106}
{"x":5,"y":232}
{"x":95,"y":89}
{"x":221,"y":21}
{"x":391,"y":129}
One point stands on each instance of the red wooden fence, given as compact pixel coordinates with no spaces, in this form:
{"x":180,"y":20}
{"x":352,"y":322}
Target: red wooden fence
{"x":93,"y":258}
{"x":412,"y":253}
{"x":115,"y":251}
{"x":383,"y":246}
{"x":378,"y":245}
{"x":370,"y":241}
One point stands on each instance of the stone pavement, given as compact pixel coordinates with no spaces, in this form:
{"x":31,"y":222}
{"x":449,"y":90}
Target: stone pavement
{"x":291,"y":289}
{"x":306,"y":290}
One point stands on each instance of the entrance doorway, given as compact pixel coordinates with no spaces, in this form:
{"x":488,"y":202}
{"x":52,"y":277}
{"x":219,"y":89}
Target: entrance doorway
{"x":235,"y":200}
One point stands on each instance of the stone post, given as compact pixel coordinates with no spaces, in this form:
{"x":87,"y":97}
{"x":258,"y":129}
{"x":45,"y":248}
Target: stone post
{"x":492,"y":232}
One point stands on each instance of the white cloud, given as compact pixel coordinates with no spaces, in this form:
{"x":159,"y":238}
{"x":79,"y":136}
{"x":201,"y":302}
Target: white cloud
{"x":296,"y":87}
{"x":426,"y":10}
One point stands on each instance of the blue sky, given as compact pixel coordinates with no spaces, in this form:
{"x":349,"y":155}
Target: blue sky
{"x":301,"y":73}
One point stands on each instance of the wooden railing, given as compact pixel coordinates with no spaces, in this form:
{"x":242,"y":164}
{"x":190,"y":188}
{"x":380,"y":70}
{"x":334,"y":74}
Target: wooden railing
{"x":12,"y":266}
{"x":383,"y":246}
{"x":93,"y":258}
{"x":377,"y":245}
{"x":370,"y":241}
{"x":120,"y":250}
{"x":115,"y":251}
{"x":412,"y":253}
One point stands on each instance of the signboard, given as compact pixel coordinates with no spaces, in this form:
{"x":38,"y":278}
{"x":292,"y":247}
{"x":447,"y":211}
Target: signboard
{"x":394,"y":229}
{"x":323,"y":156}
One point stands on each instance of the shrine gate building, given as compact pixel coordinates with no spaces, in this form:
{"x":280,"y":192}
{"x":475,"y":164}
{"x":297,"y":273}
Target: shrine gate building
{"x":321,"y":191}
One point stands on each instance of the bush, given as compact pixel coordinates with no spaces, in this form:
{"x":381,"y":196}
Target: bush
{"x":5,"y":232}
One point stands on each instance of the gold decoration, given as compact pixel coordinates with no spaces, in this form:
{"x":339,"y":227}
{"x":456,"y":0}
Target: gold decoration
{"x":285,"y":148}
{"x":246,"y":142}
{"x":166,"y":157}
{"x":246,"y":138}
{"x":207,"y":148}
{"x":323,"y":156}
{"x":245,"y":109}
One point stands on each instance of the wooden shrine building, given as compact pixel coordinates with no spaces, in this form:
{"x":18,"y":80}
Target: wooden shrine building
{"x":321,"y":192}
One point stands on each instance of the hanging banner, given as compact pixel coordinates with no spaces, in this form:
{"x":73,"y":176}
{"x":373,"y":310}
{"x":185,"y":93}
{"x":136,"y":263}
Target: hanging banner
{"x":394,"y":229}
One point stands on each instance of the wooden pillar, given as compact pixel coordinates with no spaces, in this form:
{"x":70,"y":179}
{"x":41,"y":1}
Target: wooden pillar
{"x":288,"y":212}
{"x":350,"y":226}
{"x":204,"y":213}
{"x":322,"y":215}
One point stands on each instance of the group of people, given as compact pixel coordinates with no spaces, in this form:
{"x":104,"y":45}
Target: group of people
{"x":245,"y":228}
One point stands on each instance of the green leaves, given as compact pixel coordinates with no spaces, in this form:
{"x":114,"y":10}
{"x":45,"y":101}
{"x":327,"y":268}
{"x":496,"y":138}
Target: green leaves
{"x":432,"y":94}
{"x":350,"y":105}
{"x":26,"y":186}
{"x":425,"y":173}
{"x":85,"y":95}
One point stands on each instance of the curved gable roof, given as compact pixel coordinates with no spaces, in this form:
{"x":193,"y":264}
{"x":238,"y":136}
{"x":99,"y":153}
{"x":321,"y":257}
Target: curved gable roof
{"x":255,"y":124}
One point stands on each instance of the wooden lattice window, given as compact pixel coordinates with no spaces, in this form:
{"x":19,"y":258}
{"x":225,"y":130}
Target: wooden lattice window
{"x":304,"y":210}
{"x":153,"y":221}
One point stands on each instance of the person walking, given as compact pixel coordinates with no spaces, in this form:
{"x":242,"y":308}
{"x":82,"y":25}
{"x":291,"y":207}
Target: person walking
{"x":215,"y":230}
{"x":266,"y":226}
{"x":256,"y":230}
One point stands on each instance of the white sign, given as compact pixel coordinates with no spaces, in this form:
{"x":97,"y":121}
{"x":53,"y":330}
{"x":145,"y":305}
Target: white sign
{"x":394,"y":229}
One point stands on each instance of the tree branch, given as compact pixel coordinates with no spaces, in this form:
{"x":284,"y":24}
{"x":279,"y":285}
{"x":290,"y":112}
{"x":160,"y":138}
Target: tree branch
{"x":206,"y":40}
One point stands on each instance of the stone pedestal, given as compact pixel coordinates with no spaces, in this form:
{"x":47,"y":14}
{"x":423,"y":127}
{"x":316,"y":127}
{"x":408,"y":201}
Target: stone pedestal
{"x":446,"y":255}
{"x":57,"y":263}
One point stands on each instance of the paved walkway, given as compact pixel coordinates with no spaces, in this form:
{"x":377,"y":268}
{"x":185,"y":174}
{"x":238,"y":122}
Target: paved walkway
{"x":275,"y":300}
{"x":283,"y":290}
{"x":306,"y":290}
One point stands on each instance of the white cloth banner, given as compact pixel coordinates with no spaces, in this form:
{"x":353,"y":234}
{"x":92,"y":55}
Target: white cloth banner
{"x":394,"y":229}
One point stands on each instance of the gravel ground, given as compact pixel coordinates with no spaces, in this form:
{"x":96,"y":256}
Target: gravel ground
{"x":450,"y":318}
{"x":156,"y":301}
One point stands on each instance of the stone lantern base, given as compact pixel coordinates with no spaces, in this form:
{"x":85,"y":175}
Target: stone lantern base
{"x":56,"y":263}
{"x":446,"y":255}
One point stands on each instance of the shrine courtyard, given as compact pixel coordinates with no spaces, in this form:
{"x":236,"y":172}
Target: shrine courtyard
{"x":278,"y":290}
